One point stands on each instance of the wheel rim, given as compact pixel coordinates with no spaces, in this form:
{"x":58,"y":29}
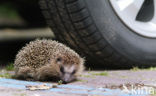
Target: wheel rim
{"x":138,"y":15}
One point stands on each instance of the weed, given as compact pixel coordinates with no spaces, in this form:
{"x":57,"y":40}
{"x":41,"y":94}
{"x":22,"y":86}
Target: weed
{"x":60,"y":82}
{"x":10,"y":67}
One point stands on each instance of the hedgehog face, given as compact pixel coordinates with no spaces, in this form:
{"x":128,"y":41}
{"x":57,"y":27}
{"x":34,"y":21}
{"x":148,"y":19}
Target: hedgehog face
{"x":67,"y":73}
{"x":68,"y":68}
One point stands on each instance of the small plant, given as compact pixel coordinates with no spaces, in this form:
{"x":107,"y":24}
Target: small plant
{"x":60,"y":82}
{"x":10,"y":67}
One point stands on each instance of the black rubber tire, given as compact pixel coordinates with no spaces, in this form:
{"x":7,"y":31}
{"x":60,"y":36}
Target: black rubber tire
{"x":92,"y":28}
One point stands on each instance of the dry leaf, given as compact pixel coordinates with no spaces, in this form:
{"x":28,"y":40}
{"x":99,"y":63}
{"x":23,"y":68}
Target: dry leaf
{"x":54,"y":86}
{"x":38,"y":87}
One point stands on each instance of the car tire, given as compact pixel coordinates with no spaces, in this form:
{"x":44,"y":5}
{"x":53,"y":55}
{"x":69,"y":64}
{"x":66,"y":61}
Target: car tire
{"x":94,"y":30}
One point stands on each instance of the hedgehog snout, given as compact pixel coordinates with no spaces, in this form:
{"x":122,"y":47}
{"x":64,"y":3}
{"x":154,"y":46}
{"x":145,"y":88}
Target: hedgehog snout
{"x":67,"y":77}
{"x":67,"y":74}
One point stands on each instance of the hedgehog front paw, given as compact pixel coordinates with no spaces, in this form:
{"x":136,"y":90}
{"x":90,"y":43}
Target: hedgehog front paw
{"x":24,"y":73}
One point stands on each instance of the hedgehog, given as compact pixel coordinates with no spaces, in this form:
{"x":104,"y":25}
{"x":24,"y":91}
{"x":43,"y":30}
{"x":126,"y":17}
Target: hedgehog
{"x":44,"y":60}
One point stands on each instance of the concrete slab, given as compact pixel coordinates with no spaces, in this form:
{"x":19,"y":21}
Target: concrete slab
{"x":62,"y":90}
{"x":24,"y":34}
{"x":90,"y":83}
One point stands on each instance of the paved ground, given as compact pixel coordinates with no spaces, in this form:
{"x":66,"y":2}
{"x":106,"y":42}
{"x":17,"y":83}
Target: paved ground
{"x":91,"y":83}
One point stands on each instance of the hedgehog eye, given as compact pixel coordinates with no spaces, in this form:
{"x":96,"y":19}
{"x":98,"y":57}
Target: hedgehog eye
{"x":49,"y":60}
{"x":62,"y":69}
{"x":59,"y":59}
{"x":74,"y":72}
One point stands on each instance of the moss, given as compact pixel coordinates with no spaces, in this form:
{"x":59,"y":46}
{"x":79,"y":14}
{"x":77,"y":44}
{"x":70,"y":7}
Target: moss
{"x":124,"y":76}
{"x":151,"y":68}
{"x":146,"y":69}
{"x":100,"y":74}
{"x":20,"y":94}
{"x":10,"y":67}
{"x":6,"y":75}
{"x":82,"y":80}
{"x":88,"y":76}
{"x":23,"y":94}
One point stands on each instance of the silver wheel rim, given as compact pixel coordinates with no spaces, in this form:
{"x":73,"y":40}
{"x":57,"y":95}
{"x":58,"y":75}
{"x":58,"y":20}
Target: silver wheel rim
{"x":127,"y":11}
